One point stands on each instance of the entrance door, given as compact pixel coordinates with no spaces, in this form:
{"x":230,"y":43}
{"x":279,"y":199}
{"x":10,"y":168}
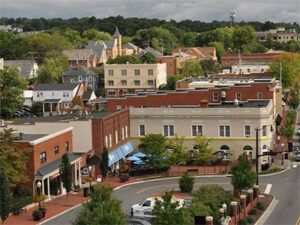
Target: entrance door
{"x":55,"y":184}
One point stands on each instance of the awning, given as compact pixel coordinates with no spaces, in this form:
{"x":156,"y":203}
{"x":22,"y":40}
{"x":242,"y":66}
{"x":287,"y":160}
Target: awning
{"x":119,"y":153}
{"x":58,"y":100}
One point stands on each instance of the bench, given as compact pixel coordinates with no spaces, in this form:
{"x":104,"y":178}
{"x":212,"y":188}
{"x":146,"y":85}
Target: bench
{"x":192,"y":171}
{"x":18,"y":210}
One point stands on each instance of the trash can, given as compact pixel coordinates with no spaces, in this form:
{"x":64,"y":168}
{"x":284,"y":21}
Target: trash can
{"x":85,"y":192}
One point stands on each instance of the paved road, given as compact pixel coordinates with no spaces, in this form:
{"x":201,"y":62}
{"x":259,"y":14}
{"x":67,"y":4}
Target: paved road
{"x":285,"y":186}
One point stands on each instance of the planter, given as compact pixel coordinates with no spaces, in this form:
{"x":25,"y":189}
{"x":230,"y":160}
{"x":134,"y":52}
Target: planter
{"x":124,"y":177}
{"x":43,"y":212}
{"x":37,"y":215}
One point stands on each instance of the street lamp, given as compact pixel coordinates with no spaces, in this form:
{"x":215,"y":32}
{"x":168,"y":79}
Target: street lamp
{"x":282,"y":153}
{"x":39,"y":185}
{"x":224,"y":206}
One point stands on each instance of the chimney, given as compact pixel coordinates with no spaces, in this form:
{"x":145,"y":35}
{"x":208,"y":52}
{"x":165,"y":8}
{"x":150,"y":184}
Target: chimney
{"x":204,"y":103}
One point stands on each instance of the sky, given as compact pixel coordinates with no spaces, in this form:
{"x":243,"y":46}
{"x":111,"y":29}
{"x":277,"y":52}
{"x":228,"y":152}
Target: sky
{"x":203,"y":10}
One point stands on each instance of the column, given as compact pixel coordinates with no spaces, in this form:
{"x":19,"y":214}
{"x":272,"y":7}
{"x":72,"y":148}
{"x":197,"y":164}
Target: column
{"x":256,"y":191}
{"x":243,"y":199}
{"x":75,"y":169}
{"x":43,"y":188}
{"x":79,"y":180}
{"x":234,"y":212}
{"x":43,"y":108}
{"x":250,"y":193}
{"x":51,"y":108}
{"x":48,"y":185}
{"x":209,"y":220}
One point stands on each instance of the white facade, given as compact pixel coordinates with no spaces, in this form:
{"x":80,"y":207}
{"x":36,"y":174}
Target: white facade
{"x":28,"y":97}
{"x":1,"y":63}
{"x":64,"y":95}
{"x":249,"y":68}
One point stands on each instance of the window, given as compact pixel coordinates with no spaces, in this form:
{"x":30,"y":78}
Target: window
{"x":67,"y":146}
{"x":56,"y":149}
{"x":110,"y":83}
{"x":43,"y":157}
{"x":116,"y":136}
{"x":168,"y":130}
{"x":248,"y":70}
{"x":72,"y":81}
{"x":238,"y":96}
{"x":37,"y":94}
{"x":260,"y":95}
{"x":142,"y":130}
{"x":137,"y":83}
{"x":215,"y":97}
{"x":262,"y":70}
{"x":224,"y":153}
{"x":136,"y":72}
{"x":80,"y":78}
{"x":126,"y":131}
{"x":106,"y":141}
{"x":52,"y":93}
{"x":124,"y":72}
{"x":123,"y":133}
{"x":147,"y":203}
{"x":224,"y":131}
{"x":247,"y":130}
{"x":110,"y":140}
{"x":90,"y":78}
{"x":150,"y":83}
{"x":124,"y":82}
{"x":111,"y":93}
{"x":264,"y":130}
{"x":196,"y":130}
{"x":150,"y":72}
{"x":110,"y":72}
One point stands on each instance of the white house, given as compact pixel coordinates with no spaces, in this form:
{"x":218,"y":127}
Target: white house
{"x":28,"y":97}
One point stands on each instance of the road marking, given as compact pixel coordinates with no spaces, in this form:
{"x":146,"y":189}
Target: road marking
{"x":298,"y":221}
{"x":294,"y":166}
{"x":268,"y":188}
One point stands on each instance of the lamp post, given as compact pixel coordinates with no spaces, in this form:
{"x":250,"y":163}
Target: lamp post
{"x":90,"y":171}
{"x":39,"y":185}
{"x":224,"y":206}
{"x":282,"y":153}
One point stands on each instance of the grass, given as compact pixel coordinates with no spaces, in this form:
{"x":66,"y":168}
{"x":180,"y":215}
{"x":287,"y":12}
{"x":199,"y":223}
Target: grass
{"x":272,"y":170}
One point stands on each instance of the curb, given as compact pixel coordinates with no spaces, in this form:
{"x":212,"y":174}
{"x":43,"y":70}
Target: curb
{"x":267,"y":213}
{"x":272,"y":174}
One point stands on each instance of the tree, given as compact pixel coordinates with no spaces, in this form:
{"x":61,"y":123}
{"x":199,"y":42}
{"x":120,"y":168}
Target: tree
{"x":186,"y":183}
{"x":148,"y":58}
{"x":243,"y":38}
{"x":51,"y":69}
{"x":179,"y":152}
{"x":242,"y":174}
{"x":13,"y":159}
{"x":74,"y":37}
{"x":203,"y":154}
{"x":103,"y":208}
{"x":294,"y":100}
{"x":65,"y":171}
{"x":104,"y":163}
{"x":220,"y":49}
{"x":190,"y":68}
{"x":210,"y":66}
{"x":287,"y":129}
{"x":189,"y":39}
{"x":93,"y":34}
{"x":4,"y":195}
{"x":167,"y":212}
{"x":11,"y":95}
{"x":124,"y":59}
{"x":171,"y":83}
{"x":154,"y":146}
{"x":12,"y":46}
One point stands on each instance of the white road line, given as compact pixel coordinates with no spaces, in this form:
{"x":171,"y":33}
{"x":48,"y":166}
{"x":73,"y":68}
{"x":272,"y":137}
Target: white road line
{"x":268,"y":188}
{"x":294,"y":166}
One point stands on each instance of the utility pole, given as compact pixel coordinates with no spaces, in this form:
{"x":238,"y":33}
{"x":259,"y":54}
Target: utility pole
{"x":232,"y":16}
{"x":256,"y":156}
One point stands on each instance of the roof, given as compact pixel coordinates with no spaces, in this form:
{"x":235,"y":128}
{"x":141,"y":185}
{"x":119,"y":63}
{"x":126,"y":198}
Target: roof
{"x":32,"y":137}
{"x":199,"y":52}
{"x":131,"y":46}
{"x":117,"y":33}
{"x":79,"y":54}
{"x":248,"y":104}
{"x":151,"y":51}
{"x":98,"y":47}
{"x":54,"y":165}
{"x":55,"y":87}
{"x":24,"y":66}
{"x":78,"y":71}
{"x":87,"y":95}
{"x":109,"y":43}
{"x":101,"y":115}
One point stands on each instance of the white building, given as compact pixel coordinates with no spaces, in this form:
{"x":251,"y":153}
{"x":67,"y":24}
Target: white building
{"x":249,"y":68}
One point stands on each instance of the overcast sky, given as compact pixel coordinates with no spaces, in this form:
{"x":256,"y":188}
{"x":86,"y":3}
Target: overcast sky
{"x":204,"y":10}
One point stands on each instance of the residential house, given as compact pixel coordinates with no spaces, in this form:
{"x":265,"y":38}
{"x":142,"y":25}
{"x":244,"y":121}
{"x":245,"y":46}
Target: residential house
{"x":28,"y":97}
{"x":80,"y":74}
{"x":279,"y":34}
{"x":151,"y":51}
{"x":88,"y":97}
{"x":82,"y":57}
{"x":27,"y":68}
{"x":130,"y":49}
{"x":121,"y":79}
{"x":201,"y":53}
{"x":57,"y":99}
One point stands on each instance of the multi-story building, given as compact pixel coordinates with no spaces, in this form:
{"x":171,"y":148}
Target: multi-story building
{"x":279,"y":34}
{"x":230,"y":125}
{"x":82,"y":57}
{"x":122,"y":79}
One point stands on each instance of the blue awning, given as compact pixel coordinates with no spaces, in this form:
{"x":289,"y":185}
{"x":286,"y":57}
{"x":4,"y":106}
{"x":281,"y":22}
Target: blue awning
{"x":119,"y":153}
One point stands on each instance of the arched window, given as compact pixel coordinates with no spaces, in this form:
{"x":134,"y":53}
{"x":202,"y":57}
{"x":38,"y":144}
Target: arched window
{"x":224,"y":153}
{"x":248,"y":148}
{"x":248,"y":151}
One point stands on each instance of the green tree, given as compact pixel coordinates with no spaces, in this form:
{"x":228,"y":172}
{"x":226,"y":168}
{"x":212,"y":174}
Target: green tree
{"x":65,"y":171}
{"x":186,"y":183}
{"x":189,"y":39}
{"x":103,"y":208}
{"x":243,"y":38}
{"x":287,"y":128}
{"x":124,"y":59}
{"x":93,"y":34}
{"x":167,"y":212}
{"x":242,"y":174}
{"x":148,"y":58}
{"x":190,"y":68}
{"x":12,"y":46}
{"x":104,"y":163}
{"x":203,"y":154}
{"x":210,"y":66}
{"x":11,"y":95}
{"x":220,"y":49}
{"x":179,"y":152}
{"x":74,"y":37}
{"x":13,"y":159}
{"x":51,"y":69}
{"x":294,"y":100}
{"x":154,"y":146}
{"x":171,"y":83}
{"x":4,"y":195}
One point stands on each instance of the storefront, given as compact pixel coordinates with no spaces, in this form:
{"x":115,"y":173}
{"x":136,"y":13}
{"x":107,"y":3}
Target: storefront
{"x":118,"y":154}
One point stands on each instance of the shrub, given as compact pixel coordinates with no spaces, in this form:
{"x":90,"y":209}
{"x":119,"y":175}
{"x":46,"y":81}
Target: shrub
{"x":124,"y":177}
{"x":186,"y":183}
{"x":242,"y":222}
{"x":260,"y":206}
{"x":253,"y":211}
{"x":249,"y":219}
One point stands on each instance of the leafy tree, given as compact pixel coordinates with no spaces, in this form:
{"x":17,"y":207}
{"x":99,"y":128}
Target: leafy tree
{"x":190,"y":68}
{"x":13,"y":159}
{"x":220,"y":49}
{"x":203,"y":154}
{"x":12,"y":46}
{"x":198,"y":208}
{"x":74,"y":37}
{"x":294,"y":95}
{"x":154,"y":146}
{"x":12,"y":86}
{"x":103,"y":208}
{"x":242,"y":174}
{"x":186,"y":183}
{"x":104,"y":163}
{"x":210,"y":66}
{"x":287,"y":129}
{"x":4,"y":195}
{"x":51,"y":69}
{"x":243,"y":38}
{"x":171,"y":83}
{"x":126,"y":39}
{"x":189,"y":39}
{"x":124,"y":59}
{"x":148,"y":58}
{"x":66,"y":173}
{"x":93,"y":34}
{"x":167,"y":212}
{"x":179,"y":153}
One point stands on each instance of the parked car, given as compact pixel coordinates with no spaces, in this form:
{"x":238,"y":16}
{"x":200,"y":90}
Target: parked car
{"x":136,"y":221}
{"x":298,"y":131}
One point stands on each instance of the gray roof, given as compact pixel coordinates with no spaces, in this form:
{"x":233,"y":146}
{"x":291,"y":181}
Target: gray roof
{"x":87,"y":95}
{"x":78,"y":71}
{"x":31,"y":137}
{"x":151,"y":51}
{"x":55,"y":87}
{"x":117,"y":33}
{"x":248,"y":104}
{"x":54,"y":165}
{"x":24,"y":66}
{"x":79,"y":54}
{"x":98,"y":47}
{"x":109,"y":43}
{"x":131,"y":46}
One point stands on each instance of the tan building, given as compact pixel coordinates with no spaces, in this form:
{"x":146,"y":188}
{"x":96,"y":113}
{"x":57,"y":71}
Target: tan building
{"x":279,"y":34}
{"x":230,"y":125}
{"x":81,"y":57}
{"x":121,"y":79}
{"x":201,"y":53}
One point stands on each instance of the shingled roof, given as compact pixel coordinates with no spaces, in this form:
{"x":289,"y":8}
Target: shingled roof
{"x":78,"y":71}
{"x":55,"y":87}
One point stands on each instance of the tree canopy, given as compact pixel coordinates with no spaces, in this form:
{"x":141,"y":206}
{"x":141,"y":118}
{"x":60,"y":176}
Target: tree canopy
{"x":203,"y":152}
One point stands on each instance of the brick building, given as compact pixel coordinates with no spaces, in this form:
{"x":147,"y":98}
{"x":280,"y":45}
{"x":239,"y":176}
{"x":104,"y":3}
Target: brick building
{"x":111,"y":130}
{"x":46,"y":152}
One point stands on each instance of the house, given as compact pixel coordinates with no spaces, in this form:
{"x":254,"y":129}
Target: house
{"x":230,"y":125}
{"x":57,"y":99}
{"x":99,"y":49}
{"x":1,"y":63}
{"x":130,"y":49}
{"x":88,"y":97}
{"x":28,"y":97}
{"x":279,"y":34}
{"x":27,"y":68}
{"x":82,"y":57}
{"x":121,"y":79}
{"x":45,"y":155}
{"x":151,"y":51}
{"x":201,"y":53}
{"x":80,"y":74}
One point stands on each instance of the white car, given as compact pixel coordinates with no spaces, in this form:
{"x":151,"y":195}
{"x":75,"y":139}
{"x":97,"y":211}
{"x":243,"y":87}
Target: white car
{"x":144,"y":209}
{"x":298,"y":131}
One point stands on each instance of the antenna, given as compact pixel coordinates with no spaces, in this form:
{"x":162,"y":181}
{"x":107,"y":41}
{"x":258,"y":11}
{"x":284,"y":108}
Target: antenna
{"x":232,"y":16}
